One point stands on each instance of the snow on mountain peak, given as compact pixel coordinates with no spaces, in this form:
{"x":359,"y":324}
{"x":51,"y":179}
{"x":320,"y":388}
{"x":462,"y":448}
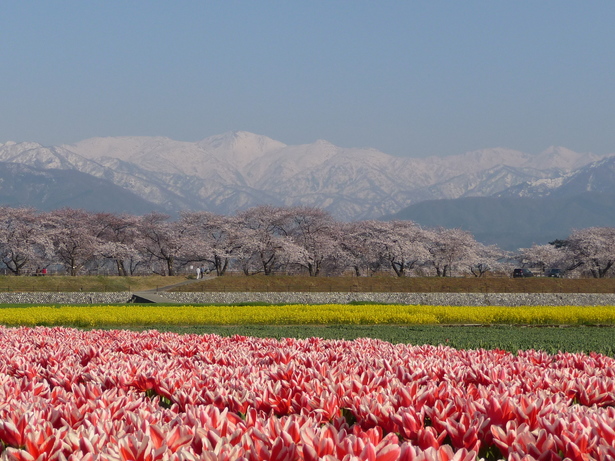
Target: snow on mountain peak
{"x":562,"y":158}
{"x":239,"y":147}
{"x":122,"y":147}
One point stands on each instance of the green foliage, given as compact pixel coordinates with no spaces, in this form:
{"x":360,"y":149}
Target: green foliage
{"x":349,"y":416}
{"x":509,"y":338}
{"x":490,"y":453}
{"x":163,"y":401}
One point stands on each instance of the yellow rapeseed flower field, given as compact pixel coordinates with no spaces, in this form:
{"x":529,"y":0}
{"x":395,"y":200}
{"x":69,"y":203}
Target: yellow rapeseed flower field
{"x":300,"y":314}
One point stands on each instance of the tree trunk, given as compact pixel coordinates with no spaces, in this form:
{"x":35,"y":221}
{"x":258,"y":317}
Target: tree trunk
{"x":221,"y":264}
{"x":73,"y":268}
{"x":170,"y":266}
{"x":604,"y":271}
{"x":398,"y":268}
{"x":313,"y":269}
{"x":267,"y":264}
{"x":121,"y":268}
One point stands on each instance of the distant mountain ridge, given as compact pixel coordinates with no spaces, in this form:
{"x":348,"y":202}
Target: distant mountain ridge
{"x":51,"y":189}
{"x":597,"y":177}
{"x":236,"y":170}
{"x":515,"y":222}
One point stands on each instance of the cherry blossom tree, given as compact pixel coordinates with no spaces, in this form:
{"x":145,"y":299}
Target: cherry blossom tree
{"x":358,"y":250}
{"x":264,"y":242}
{"x":541,"y":256}
{"x":592,"y":248}
{"x":404,"y":244}
{"x":163,"y":240}
{"x":315,"y":231}
{"x":23,"y":240}
{"x":401,"y":245}
{"x":449,"y":248}
{"x":215,"y":238}
{"x":118,"y":235}
{"x":483,"y":259}
{"x":73,"y":236}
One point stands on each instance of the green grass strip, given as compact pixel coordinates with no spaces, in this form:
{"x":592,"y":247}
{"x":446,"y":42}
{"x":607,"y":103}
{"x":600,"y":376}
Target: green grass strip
{"x":551,"y":339}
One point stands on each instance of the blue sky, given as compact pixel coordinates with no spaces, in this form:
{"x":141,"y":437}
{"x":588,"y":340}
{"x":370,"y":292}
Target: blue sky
{"x":410,"y":78}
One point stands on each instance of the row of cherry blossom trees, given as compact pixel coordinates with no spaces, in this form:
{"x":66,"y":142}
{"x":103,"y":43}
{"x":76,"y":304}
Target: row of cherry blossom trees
{"x":589,"y":252}
{"x":269,"y":240}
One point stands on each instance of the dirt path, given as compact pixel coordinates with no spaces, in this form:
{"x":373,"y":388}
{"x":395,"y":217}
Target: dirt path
{"x":153,"y":296}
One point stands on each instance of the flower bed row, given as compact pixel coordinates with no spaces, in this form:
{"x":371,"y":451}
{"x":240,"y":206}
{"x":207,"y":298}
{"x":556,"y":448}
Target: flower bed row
{"x":120,"y":395}
{"x":302,"y":314}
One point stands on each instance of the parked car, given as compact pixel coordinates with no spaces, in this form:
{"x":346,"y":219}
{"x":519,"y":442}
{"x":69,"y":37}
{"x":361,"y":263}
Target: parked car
{"x":553,"y":273}
{"x":522,"y":273}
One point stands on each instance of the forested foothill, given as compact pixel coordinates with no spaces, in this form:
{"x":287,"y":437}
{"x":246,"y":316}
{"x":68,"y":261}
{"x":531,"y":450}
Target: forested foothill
{"x":274,"y":240}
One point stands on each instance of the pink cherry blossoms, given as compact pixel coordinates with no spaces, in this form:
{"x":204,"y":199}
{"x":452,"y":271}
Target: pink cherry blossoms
{"x":120,"y":395}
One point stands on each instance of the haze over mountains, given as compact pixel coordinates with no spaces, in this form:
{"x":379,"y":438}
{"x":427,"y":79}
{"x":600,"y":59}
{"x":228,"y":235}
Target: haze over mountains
{"x":237,"y":170}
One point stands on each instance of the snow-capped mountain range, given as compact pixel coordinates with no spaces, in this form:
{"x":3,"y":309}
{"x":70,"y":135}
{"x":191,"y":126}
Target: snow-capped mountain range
{"x":236,"y":170}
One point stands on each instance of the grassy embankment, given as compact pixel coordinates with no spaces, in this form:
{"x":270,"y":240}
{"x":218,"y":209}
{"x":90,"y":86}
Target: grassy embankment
{"x":404,"y":284}
{"x":93,"y":283}
{"x":311,"y":284}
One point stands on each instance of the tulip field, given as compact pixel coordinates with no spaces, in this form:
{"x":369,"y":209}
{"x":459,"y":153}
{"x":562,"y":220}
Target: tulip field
{"x":92,"y":394}
{"x":69,"y":394}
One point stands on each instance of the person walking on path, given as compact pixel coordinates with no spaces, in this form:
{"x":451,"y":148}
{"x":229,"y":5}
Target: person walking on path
{"x":198,"y":272}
